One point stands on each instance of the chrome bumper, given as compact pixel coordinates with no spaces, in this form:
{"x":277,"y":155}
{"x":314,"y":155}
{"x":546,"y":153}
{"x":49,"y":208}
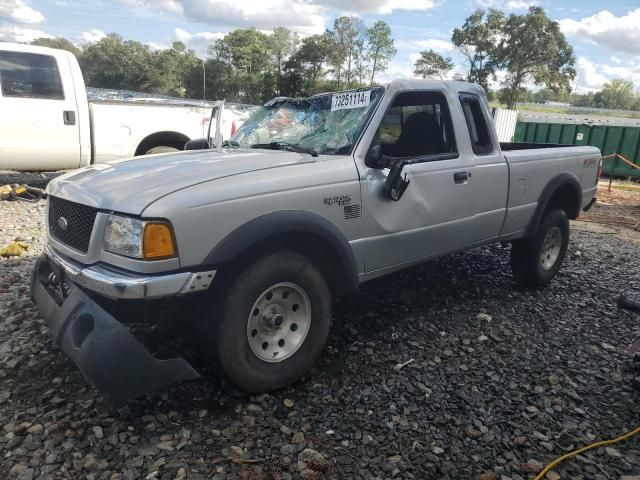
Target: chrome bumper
{"x":117,"y":284}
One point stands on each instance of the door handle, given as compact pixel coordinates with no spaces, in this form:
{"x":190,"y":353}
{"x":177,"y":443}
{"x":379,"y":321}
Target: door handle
{"x":69,"y":117}
{"x":461,"y":177}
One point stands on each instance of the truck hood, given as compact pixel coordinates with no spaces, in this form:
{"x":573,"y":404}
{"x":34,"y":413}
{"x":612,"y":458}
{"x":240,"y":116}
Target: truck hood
{"x":129,"y":186}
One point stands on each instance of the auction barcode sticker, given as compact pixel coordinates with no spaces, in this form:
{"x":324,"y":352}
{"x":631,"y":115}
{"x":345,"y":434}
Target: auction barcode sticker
{"x":341,"y":101}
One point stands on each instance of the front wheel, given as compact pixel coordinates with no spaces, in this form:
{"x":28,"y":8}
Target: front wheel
{"x":269,"y":325}
{"x":536,"y":261}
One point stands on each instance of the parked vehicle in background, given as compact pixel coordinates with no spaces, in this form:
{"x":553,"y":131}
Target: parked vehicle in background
{"x":310,"y":198}
{"x":47,"y":122}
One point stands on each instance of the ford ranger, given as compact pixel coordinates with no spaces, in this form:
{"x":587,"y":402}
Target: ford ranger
{"x":309,"y":199}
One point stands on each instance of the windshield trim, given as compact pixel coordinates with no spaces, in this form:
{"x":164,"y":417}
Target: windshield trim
{"x":369,"y":119}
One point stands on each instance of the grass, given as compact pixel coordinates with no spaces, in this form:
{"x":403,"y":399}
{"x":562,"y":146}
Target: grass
{"x":567,"y":110}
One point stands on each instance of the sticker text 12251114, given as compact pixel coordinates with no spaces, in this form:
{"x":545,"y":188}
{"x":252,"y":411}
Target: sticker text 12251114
{"x":341,"y":101}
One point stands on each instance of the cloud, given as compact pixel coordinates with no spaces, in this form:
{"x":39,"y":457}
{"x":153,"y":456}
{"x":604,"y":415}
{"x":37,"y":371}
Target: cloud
{"x":13,"y":33}
{"x":199,"y":42}
{"x":520,"y":5}
{"x":502,"y":5}
{"x":591,"y":76}
{"x":443,"y":47}
{"x":620,"y":34}
{"x":92,"y":36}
{"x":303,"y":16}
{"x":18,"y":11}
{"x":382,"y":7}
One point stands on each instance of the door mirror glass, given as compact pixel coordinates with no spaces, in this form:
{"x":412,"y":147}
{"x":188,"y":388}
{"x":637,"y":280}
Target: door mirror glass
{"x":197,"y":144}
{"x":374,"y":158}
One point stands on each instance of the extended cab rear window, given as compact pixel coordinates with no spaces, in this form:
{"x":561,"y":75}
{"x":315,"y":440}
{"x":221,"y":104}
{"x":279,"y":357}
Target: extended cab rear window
{"x":476,"y":123}
{"x":29,"y":75}
{"x":418,"y":124}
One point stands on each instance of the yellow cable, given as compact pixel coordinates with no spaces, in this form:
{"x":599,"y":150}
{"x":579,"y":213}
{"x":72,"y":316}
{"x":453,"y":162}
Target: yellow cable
{"x":603,"y":443}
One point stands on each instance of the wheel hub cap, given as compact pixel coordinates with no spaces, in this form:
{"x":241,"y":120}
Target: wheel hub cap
{"x":551,"y":246}
{"x":279,"y":322}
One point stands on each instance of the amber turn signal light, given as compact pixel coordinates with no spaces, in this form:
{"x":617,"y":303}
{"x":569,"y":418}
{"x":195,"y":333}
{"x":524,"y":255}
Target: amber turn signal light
{"x":157,"y":241}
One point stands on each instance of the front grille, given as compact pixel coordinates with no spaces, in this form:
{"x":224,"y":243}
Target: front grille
{"x":78,"y":220}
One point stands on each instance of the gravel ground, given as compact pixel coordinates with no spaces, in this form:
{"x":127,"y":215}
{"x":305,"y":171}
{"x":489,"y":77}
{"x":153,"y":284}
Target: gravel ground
{"x":495,"y":381}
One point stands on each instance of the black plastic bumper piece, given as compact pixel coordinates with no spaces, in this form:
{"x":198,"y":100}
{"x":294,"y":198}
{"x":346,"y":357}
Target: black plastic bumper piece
{"x":106,"y":352}
{"x":590,"y":204}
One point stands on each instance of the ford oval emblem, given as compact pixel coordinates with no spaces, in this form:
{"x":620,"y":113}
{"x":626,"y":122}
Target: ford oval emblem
{"x":62,"y":224}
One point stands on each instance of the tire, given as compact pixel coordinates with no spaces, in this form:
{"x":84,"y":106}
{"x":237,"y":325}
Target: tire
{"x":234,"y":325}
{"x":536,"y":261}
{"x":161,"y":149}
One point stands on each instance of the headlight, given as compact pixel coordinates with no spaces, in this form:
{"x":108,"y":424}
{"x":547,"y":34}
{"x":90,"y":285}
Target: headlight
{"x":136,"y":238}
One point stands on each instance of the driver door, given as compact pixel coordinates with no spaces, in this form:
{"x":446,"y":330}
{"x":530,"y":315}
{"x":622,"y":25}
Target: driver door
{"x":435,"y":214}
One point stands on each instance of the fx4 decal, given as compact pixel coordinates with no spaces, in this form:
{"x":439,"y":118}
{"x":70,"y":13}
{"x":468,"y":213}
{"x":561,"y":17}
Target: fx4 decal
{"x":338,"y":200}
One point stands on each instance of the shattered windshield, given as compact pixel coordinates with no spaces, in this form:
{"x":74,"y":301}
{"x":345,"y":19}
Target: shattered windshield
{"x":323,"y":124}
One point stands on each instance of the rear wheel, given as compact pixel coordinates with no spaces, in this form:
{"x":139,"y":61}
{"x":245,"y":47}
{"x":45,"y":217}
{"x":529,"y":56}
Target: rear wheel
{"x":161,"y":149}
{"x":537,"y":260}
{"x":269,"y":325}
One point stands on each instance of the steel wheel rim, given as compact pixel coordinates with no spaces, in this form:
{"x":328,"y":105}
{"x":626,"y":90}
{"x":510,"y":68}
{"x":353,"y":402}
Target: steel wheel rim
{"x":551,"y":246}
{"x":279,"y":322}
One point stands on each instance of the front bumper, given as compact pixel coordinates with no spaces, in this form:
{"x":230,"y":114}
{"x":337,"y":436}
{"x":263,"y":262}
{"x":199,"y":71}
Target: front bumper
{"x":106,"y":352}
{"x":116,"y":283}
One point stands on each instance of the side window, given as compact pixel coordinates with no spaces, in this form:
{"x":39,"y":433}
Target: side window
{"x":477,"y":125}
{"x":417,"y":124}
{"x":29,"y":75}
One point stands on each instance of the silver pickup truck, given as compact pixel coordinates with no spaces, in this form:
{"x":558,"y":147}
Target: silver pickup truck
{"x":309,"y":199}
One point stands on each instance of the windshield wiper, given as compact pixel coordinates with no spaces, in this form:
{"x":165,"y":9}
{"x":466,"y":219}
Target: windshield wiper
{"x":292,"y":147}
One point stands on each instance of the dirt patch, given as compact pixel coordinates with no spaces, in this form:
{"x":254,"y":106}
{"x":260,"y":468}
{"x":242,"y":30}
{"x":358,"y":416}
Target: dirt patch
{"x":619,"y":206}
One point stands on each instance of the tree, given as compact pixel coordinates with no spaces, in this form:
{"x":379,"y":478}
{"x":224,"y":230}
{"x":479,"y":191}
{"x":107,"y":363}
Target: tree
{"x":432,"y":65}
{"x":380,"y":47}
{"x":282,"y":44}
{"x":346,"y":38}
{"x":114,"y":63}
{"x":309,"y":60}
{"x":172,"y":68}
{"x":58,"y":42}
{"x":245,"y":52}
{"x":476,"y":40}
{"x":618,"y":94}
{"x":531,"y":48}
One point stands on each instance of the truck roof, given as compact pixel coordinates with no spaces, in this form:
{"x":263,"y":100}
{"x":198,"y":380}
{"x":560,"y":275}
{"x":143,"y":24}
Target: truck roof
{"x":23,"y":47}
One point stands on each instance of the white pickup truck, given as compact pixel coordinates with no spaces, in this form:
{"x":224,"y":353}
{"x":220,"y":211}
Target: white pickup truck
{"x":47,"y":122}
{"x":309,"y":199}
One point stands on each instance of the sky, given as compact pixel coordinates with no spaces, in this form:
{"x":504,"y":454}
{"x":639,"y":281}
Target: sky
{"x":605,"y":35}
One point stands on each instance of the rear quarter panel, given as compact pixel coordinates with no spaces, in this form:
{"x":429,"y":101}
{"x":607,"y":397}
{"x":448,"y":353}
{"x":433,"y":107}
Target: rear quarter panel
{"x":531,"y":171}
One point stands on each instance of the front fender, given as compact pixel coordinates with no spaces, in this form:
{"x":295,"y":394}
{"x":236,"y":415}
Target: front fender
{"x":269,"y":225}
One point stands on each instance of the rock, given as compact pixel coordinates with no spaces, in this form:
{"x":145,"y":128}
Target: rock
{"x":35,"y":429}
{"x":237,"y":451}
{"x":520,"y":440}
{"x":554,"y":379}
{"x":309,"y":459}
{"x":532,"y":409}
{"x":298,"y":438}
{"x":288,"y":403}
{"x":483,"y":317}
{"x":97,"y":431}
{"x":612,"y":452}
{"x":437,"y":450}
{"x":553,"y":475}
{"x":253,"y":408}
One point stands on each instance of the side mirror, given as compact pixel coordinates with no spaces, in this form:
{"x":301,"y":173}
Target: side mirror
{"x":197,"y":144}
{"x":374,"y":159}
